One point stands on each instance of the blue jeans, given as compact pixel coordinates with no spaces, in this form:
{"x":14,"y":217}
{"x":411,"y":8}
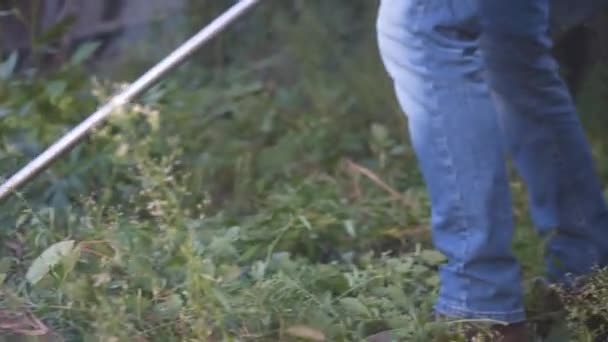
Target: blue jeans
{"x":477,"y":83}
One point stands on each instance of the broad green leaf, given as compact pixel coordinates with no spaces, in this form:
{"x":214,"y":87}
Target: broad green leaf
{"x":233,"y":233}
{"x":336,"y":283}
{"x":222,"y":247}
{"x":55,"y":89}
{"x":353,"y":306}
{"x":51,"y":257}
{"x":70,"y":260}
{"x":432,"y":257}
{"x":83,"y":52}
{"x":418,"y":269}
{"x":405,"y":266}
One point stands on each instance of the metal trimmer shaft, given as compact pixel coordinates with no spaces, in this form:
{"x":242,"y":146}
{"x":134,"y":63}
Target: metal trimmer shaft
{"x":145,"y":82}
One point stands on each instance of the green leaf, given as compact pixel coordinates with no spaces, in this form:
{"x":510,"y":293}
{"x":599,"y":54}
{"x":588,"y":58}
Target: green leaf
{"x":55,"y":89}
{"x":397,"y":295}
{"x":7,"y":68}
{"x":83,"y":52}
{"x":222,"y":247}
{"x":405,"y":266}
{"x":418,"y":270}
{"x":51,"y":257}
{"x":432,"y":280}
{"x":70,"y":260}
{"x":170,"y":307}
{"x":379,"y":132}
{"x":336,"y":283}
{"x":432,"y":257}
{"x":350,"y":228}
{"x":354,"y":307}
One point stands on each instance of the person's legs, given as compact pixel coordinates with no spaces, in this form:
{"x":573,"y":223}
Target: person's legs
{"x":430,"y":49}
{"x":544,"y":135}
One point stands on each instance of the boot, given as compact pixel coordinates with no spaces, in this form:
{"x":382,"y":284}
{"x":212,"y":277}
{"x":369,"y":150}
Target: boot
{"x":476,"y":332}
{"x":510,"y":333}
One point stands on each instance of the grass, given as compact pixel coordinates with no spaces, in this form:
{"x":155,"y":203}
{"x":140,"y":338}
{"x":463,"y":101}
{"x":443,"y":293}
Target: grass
{"x":273,"y":198}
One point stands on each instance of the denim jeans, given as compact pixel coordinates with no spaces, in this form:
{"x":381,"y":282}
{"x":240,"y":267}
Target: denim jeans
{"x":477,"y":83}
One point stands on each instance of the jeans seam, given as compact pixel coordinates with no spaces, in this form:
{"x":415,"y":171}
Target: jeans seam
{"x":575,"y":206}
{"x":442,"y":148}
{"x":462,"y":223}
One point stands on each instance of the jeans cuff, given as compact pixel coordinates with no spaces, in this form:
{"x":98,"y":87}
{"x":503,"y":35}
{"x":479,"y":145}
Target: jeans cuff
{"x":460,"y":312}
